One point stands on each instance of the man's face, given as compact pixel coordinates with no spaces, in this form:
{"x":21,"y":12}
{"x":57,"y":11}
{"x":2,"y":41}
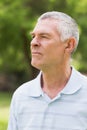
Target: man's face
{"x":47,"y":50}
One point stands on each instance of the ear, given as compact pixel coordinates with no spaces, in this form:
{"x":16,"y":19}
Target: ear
{"x":70,"y":45}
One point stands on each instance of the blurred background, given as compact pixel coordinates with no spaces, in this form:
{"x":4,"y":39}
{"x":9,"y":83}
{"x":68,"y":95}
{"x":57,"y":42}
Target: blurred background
{"x":17,"y":19}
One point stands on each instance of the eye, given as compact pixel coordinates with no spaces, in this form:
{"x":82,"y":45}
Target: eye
{"x":44,"y":36}
{"x":32,"y":36}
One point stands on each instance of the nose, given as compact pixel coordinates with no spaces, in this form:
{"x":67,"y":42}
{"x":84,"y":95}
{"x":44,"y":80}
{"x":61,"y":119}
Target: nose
{"x":35,"y":42}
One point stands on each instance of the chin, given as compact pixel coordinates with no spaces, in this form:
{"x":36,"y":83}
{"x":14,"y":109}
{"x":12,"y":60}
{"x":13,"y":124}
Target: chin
{"x":37,"y":66}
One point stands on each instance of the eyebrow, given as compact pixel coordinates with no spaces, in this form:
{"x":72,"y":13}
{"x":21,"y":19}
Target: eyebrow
{"x":43,"y":33}
{"x":31,"y":33}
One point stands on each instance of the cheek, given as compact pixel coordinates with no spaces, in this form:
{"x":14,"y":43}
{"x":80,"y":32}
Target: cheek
{"x":54,"y":50}
{"x":56,"y":54}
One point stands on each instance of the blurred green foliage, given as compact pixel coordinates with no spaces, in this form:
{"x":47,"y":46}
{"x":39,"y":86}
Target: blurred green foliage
{"x":5,"y":99}
{"x":17,"y":18}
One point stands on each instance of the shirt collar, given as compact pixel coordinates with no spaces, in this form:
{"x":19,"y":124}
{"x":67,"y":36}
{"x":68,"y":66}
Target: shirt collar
{"x":73,"y":84}
{"x":34,"y":87}
{"x":71,"y":87}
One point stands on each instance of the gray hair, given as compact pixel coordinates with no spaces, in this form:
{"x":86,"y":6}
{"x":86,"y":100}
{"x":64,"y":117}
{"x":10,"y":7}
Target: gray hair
{"x":67,"y":27}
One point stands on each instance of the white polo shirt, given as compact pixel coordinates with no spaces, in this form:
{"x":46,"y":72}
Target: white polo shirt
{"x":31,"y":109}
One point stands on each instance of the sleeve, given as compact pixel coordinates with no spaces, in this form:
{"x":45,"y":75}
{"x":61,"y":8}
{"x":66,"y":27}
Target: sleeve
{"x":12,"y":123}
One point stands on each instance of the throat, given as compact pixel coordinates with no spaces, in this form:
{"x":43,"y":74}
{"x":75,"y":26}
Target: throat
{"x":52,"y":86}
{"x":52,"y":93}
{"x":52,"y":89}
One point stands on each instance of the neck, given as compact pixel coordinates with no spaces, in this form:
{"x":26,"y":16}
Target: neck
{"x":55,"y":80}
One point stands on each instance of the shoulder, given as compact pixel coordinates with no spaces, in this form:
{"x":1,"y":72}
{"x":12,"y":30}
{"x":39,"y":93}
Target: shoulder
{"x":29,"y":88}
{"x":81,"y":78}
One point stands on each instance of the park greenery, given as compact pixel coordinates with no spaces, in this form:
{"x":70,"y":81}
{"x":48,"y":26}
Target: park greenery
{"x":5,"y":99}
{"x":17,"y":19}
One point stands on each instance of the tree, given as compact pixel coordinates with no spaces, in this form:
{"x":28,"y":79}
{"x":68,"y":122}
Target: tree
{"x":17,"y":19}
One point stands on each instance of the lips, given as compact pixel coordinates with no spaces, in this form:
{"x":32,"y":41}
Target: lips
{"x":36,"y":53}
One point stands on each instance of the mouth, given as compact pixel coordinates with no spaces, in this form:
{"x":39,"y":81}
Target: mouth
{"x":36,"y":53}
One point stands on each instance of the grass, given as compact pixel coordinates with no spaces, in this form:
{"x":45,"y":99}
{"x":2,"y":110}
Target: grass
{"x":5,"y":99}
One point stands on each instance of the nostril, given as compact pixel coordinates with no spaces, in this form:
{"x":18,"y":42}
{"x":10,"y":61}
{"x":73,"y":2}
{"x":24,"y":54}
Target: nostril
{"x":35,"y":42}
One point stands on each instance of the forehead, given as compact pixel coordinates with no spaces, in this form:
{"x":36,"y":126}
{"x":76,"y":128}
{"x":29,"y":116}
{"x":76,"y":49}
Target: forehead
{"x":46,"y":25}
